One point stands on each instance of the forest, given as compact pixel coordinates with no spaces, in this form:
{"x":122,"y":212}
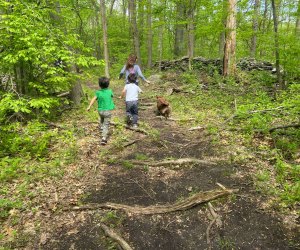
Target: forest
{"x":222,"y":171}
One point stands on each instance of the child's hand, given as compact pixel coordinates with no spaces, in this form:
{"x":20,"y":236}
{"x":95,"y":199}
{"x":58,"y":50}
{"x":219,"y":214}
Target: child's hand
{"x":88,"y":108}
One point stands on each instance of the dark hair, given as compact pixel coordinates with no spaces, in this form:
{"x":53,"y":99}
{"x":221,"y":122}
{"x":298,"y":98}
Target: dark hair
{"x":103,"y":82}
{"x":131,"y":61}
{"x":132,"y":78}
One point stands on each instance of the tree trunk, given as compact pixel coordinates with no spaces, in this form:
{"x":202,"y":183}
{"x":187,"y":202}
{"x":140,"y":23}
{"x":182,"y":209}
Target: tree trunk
{"x":298,"y":20}
{"x":254,"y":28}
{"x":179,"y":30}
{"x":191,"y":36}
{"x":229,"y":60}
{"x":222,"y":34}
{"x":96,"y":27}
{"x":105,"y":40}
{"x":112,"y":6}
{"x":76,"y":94}
{"x":136,"y":40}
{"x":160,"y":34}
{"x":149,"y":41}
{"x":276,"y":38}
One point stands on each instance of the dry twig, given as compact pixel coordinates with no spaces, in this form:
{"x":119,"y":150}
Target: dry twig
{"x":110,"y":233}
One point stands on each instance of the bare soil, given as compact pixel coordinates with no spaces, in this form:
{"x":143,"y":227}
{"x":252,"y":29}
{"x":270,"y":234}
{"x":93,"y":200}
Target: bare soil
{"x":245,"y":224}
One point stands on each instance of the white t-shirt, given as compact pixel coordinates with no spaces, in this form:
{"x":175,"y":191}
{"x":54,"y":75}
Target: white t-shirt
{"x":132,"y":92}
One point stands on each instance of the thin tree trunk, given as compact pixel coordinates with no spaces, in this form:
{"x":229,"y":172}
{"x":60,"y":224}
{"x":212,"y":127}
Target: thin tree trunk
{"x":179,"y":30}
{"x":161,"y":29}
{"x":191,"y":36}
{"x":254,"y":28}
{"x":298,"y":20}
{"x":149,"y":41}
{"x":222,"y":34}
{"x":136,"y":40}
{"x":275,"y":20}
{"x":97,"y":31}
{"x":105,"y":40}
{"x":229,"y":60}
{"x":112,"y":6}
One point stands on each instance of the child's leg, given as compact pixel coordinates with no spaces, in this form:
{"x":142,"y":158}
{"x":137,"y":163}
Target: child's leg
{"x":129,"y":117}
{"x":134,"y":112}
{"x":106,"y":115}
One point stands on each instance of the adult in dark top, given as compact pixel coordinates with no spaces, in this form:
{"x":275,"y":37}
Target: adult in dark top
{"x":132,"y":68}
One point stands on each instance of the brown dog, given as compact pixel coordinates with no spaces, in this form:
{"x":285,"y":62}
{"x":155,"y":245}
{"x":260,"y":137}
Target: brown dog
{"x":163,"y":107}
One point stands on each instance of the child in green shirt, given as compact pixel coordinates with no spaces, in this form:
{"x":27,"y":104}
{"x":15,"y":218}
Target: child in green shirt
{"x":105,"y":106}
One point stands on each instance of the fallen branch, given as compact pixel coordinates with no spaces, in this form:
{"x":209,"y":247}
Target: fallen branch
{"x":63,"y":94}
{"x":284,"y":127}
{"x":175,"y":119}
{"x":196,"y":128}
{"x":149,"y":104}
{"x":175,"y":162}
{"x":131,"y":143}
{"x":189,"y":202}
{"x":253,"y":112}
{"x":110,"y":233}
{"x":216,"y":219}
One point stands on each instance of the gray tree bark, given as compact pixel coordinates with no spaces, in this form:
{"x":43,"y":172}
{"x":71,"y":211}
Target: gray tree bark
{"x":298,"y":20}
{"x":276,"y":38}
{"x":191,"y":35}
{"x":149,"y":40}
{"x":179,"y":44}
{"x":136,"y":39}
{"x":229,"y":59}
{"x":105,"y":39}
{"x":254,"y":28}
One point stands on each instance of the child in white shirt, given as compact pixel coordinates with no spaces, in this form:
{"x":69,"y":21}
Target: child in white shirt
{"x":131,"y":92}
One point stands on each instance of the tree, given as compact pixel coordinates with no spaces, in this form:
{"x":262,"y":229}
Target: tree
{"x":149,"y":40}
{"x":229,"y":58}
{"x":105,"y":40}
{"x":190,"y":28}
{"x":254,"y":28}
{"x":276,"y":38}
{"x":298,"y":20}
{"x":179,"y":43}
{"x":135,"y":32}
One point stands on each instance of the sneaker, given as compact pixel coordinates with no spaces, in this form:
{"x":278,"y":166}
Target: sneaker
{"x":103,"y":141}
{"x":135,"y":126}
{"x":129,"y":120}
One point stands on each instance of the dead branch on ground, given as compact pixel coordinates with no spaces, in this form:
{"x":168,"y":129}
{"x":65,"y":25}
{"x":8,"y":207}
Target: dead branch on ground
{"x":175,"y":162}
{"x":253,"y":112}
{"x":175,"y":119}
{"x":196,"y":128}
{"x":185,"y":204}
{"x":284,"y":127}
{"x":110,"y":233}
{"x":216,"y":219}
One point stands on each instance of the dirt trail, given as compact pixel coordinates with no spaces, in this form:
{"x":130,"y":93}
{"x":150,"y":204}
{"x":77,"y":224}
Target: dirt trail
{"x":244,"y":224}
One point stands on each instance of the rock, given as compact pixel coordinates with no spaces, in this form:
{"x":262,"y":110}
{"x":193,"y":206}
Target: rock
{"x":155,"y":79}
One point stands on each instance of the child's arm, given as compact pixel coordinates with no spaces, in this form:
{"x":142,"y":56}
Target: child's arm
{"x":123,"y":93}
{"x":122,"y":72}
{"x":91,"y":103}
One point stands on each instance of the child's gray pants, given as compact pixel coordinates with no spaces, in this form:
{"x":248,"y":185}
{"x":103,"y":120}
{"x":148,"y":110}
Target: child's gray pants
{"x":104,"y":122}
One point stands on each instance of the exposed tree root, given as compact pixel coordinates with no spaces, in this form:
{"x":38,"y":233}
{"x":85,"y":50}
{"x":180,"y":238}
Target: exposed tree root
{"x":189,"y":202}
{"x":110,"y":233}
{"x":175,"y":162}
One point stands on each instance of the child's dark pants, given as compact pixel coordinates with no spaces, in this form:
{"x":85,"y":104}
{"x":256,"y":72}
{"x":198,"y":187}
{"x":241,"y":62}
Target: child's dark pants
{"x":132,"y":110}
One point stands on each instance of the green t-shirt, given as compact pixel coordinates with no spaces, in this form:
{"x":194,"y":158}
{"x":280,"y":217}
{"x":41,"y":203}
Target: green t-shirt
{"x":104,"y":98}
